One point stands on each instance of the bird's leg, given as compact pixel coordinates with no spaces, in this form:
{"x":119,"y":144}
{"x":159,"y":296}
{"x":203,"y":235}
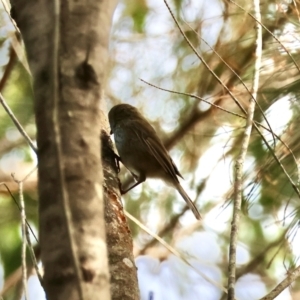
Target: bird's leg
{"x":136,"y":178}
{"x":117,"y":160}
{"x":139,"y":180}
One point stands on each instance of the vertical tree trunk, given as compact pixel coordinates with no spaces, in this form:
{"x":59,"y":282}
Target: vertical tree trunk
{"x":67,"y":45}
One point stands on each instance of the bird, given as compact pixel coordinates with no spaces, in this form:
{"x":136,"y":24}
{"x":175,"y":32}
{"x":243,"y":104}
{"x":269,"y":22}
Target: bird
{"x":142,"y":152}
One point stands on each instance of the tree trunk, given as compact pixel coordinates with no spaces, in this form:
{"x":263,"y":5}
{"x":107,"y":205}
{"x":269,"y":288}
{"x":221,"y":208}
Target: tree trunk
{"x":67,"y":48}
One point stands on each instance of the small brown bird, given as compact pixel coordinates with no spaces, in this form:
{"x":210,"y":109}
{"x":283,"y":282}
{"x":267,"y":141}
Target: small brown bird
{"x":142,"y":152}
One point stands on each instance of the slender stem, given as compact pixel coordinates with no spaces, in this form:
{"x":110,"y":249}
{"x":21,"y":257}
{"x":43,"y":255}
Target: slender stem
{"x":270,"y":32}
{"x":292,"y":276}
{"x":256,"y":125}
{"x":23,"y":221}
{"x":173,"y":250}
{"x":16,"y":122}
{"x":238,"y":184}
{"x":23,"y":230}
{"x":234,"y":98}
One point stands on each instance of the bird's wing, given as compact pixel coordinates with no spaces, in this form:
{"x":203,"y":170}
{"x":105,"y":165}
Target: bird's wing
{"x":161,"y":156}
{"x":153,"y":144}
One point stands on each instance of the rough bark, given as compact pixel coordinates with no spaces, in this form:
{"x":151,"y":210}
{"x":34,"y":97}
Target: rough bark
{"x":124,"y":284}
{"x":69,"y":122}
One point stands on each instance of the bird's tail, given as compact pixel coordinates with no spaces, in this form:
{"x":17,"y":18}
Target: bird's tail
{"x":188,"y":201}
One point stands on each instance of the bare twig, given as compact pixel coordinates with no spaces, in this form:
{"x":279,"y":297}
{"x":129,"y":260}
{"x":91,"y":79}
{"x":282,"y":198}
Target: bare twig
{"x":23,"y":226}
{"x":271,"y":33}
{"x":13,"y":280}
{"x":240,"y":79}
{"x":165,"y":230}
{"x":258,"y":259}
{"x":18,"y":205}
{"x":33,"y":257}
{"x":31,"y":250}
{"x":172,"y":222}
{"x":196,"y":97}
{"x":8,"y":67}
{"x":292,"y":276}
{"x":25,"y":232}
{"x":16,"y":122}
{"x":16,"y":43}
{"x":203,"y":61}
{"x":23,"y":218}
{"x":238,"y":184}
{"x":19,"y":49}
{"x":297,"y":11}
{"x":172,"y":250}
{"x":229,"y":112}
{"x":7,"y":9}
{"x":235,"y":100}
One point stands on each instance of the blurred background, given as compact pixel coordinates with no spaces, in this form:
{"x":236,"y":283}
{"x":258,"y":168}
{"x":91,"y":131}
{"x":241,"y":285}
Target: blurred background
{"x":203,"y":140}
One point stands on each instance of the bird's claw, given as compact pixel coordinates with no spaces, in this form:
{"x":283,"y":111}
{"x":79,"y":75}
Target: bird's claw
{"x":118,"y":160}
{"x":120,"y":187}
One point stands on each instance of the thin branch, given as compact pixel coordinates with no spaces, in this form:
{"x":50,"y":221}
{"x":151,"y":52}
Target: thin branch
{"x":235,"y":100}
{"x":18,"y":205}
{"x":239,"y":78}
{"x":7,"y":9}
{"x":271,"y":33}
{"x":229,"y":112}
{"x":196,"y":97}
{"x":172,"y":250}
{"x":25,"y":231}
{"x":292,"y":276}
{"x":23,"y":218}
{"x":15,"y":42}
{"x":23,"y":226}
{"x":57,"y":134}
{"x":13,"y":280}
{"x":18,"y":125}
{"x":172,"y":222}
{"x":33,"y":257}
{"x":31,"y":250}
{"x":256,"y":126}
{"x":165,"y":230}
{"x":238,"y":184}
{"x":20,"y":52}
{"x":258,"y":259}
{"x":297,"y":11}
{"x":203,"y":61}
{"x":294,"y":186}
{"x":8,"y":67}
